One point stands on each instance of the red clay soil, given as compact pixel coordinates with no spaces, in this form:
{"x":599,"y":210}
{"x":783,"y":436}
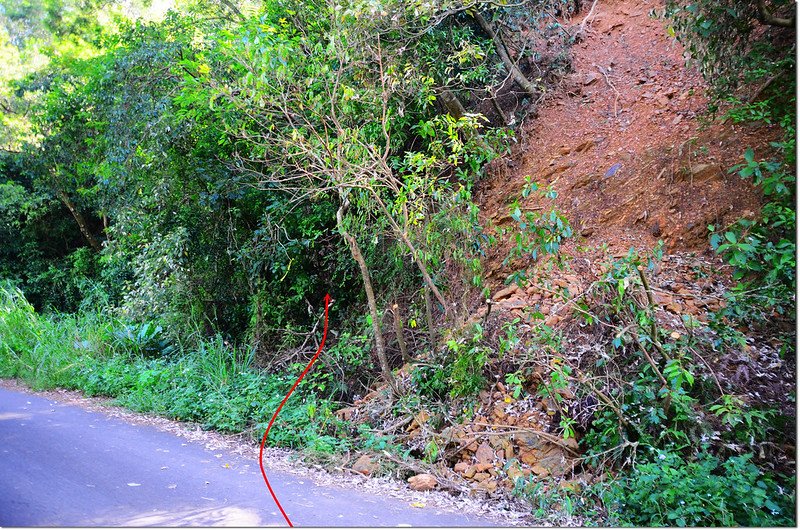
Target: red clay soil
{"x":627,"y":144}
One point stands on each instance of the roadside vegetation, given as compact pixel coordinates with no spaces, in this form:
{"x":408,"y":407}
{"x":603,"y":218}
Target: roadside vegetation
{"x":179,"y":192}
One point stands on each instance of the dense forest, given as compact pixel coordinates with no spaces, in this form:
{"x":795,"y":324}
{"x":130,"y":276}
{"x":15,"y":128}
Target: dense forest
{"x":182,"y":183}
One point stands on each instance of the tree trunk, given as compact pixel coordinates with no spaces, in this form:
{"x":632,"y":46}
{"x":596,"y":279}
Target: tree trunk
{"x":429,"y":315}
{"x":515,"y":72}
{"x":398,"y":329}
{"x":380,"y":345}
{"x":452,"y":104}
{"x":84,"y":227}
{"x":233,"y":9}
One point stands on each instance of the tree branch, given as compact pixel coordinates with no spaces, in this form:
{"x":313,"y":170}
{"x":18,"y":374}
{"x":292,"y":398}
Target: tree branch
{"x":76,"y":214}
{"x":515,"y":72}
{"x":765,"y":17}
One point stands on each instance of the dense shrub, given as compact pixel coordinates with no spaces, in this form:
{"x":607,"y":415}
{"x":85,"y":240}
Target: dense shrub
{"x":703,"y":490}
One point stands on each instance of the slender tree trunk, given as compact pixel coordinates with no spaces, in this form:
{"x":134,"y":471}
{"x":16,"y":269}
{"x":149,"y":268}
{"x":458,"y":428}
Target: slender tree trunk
{"x":414,"y":254}
{"x":515,"y":72}
{"x":398,"y":329}
{"x":233,"y":9}
{"x":429,"y":315}
{"x":257,"y":326}
{"x":380,"y":344}
{"x":452,"y":104}
{"x":84,"y":227}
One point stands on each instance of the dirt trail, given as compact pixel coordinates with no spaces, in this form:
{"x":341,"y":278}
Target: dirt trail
{"x":625,"y":143}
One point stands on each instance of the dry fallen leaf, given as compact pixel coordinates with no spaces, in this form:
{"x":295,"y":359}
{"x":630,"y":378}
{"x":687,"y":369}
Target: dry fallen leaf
{"x":418,"y":504}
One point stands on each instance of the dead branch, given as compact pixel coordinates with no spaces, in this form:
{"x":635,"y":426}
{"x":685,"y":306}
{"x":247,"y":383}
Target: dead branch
{"x":510,"y":429}
{"x":440,"y":479}
{"x":711,"y":370}
{"x":651,"y":310}
{"x":765,"y":86}
{"x":609,"y":83}
{"x":589,"y":16}
{"x":405,"y":420}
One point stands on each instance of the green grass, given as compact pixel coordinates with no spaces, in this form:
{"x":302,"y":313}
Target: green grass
{"x":212,"y":384}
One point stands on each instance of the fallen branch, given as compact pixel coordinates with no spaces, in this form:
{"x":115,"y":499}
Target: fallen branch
{"x":711,"y":370}
{"x":512,"y":68}
{"x":616,"y":92}
{"x":765,"y":17}
{"x":510,"y":429}
{"x":623,"y":445}
{"x":403,"y":422}
{"x":764,"y":87}
{"x":587,"y":18}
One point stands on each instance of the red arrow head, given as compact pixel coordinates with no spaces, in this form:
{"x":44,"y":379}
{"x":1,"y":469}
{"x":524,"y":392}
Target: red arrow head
{"x":327,"y":299}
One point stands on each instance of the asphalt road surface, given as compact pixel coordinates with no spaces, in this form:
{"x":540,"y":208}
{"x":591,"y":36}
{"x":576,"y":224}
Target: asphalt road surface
{"x":63,"y":466}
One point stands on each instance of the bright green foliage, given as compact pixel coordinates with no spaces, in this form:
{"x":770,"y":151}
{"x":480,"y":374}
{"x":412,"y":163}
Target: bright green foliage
{"x":196,"y":173}
{"x":431,"y":380}
{"x":514,"y":380}
{"x":466,"y":376}
{"x":730,"y":45}
{"x":457,"y":371}
{"x":182,"y":188}
{"x":209,"y":156}
{"x":763,"y":250}
{"x":660,"y":401}
{"x":541,"y":231}
{"x":703,"y":490}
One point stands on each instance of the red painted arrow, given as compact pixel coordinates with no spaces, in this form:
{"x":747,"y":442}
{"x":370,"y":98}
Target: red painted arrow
{"x":266,"y":433}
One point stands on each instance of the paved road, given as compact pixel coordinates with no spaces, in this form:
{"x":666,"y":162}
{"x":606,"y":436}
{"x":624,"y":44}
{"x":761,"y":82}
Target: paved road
{"x":63,"y":466}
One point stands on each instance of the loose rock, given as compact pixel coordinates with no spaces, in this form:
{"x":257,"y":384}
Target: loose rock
{"x":364,"y":465}
{"x":484,"y":454}
{"x":422,"y":482}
